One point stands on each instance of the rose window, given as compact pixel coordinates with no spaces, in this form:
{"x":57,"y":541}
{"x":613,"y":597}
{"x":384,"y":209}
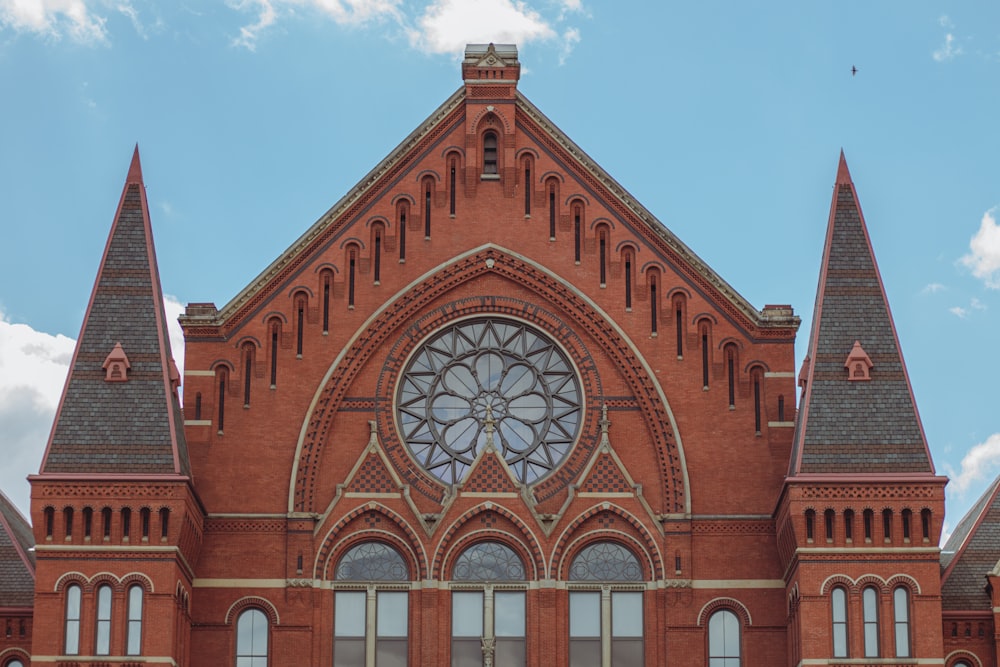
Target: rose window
{"x":489,"y":378}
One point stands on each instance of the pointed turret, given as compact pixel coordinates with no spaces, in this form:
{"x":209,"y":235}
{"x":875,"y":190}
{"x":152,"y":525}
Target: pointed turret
{"x":857,"y":413}
{"x":119,"y":413}
{"x":17,"y":560}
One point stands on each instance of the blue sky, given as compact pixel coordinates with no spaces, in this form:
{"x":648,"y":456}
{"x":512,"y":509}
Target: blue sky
{"x":724,"y":119}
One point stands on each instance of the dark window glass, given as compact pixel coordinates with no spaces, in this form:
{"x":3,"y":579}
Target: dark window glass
{"x":490,"y":153}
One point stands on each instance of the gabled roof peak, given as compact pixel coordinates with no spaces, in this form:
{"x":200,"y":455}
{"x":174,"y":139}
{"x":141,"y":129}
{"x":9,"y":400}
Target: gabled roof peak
{"x":843,"y":174}
{"x":134,"y":169}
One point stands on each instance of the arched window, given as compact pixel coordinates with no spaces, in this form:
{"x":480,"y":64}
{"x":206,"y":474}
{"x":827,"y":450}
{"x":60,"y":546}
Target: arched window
{"x":251,"y":639}
{"x":490,"y":153}
{"x":869,"y":608}
{"x":50,"y":519}
{"x":451,"y":191}
{"x":275,"y":326}
{"x":577,"y":234}
{"x":838,"y":600}
{"x":704,"y":356}
{"x":810,"y":524}
{"x":222,"y":380}
{"x":352,"y":266}
{"x":629,"y":263}
{"x":925,"y":524}
{"x":88,"y":522}
{"x":731,"y":373}
{"x":401,"y":230}
{"x":102,"y":643}
{"x":248,"y":354}
{"x":68,"y":522}
{"x":15,"y":663}
{"x":907,"y":516}
{"x":828,"y":521}
{"x":867,"y":518}
{"x":106,"y":523}
{"x":126,"y":524}
{"x":723,"y":639}
{"x":377,"y":246}
{"x":300,"y":323}
{"x":481,"y":615}
{"x":359,"y":610}
{"x":901,"y":621}
{"x":527,"y":187}
{"x":887,"y":524}
{"x":849,"y":525}
{"x":73,"y":620}
{"x":144,"y":523}
{"x":610,"y":616}
{"x":133,"y":631}
{"x":654,"y":302}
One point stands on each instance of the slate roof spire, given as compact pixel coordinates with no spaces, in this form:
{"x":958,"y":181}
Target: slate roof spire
{"x":971,"y":554}
{"x":132,"y":426}
{"x":844,"y":426}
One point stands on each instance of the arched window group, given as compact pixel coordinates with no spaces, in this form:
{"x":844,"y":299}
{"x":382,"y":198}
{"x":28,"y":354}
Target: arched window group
{"x":101,"y":606}
{"x":871,"y":623}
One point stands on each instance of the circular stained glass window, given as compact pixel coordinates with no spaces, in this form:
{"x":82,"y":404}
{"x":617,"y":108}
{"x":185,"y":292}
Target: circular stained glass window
{"x":485,"y":378}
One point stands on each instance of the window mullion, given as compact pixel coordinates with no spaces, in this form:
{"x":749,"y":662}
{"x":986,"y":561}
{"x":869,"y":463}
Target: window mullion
{"x":605,"y":626}
{"x":370,"y":627}
{"x":488,"y":634}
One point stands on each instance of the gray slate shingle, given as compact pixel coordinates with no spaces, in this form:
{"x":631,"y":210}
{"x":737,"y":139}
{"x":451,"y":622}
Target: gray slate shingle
{"x":17,"y":563}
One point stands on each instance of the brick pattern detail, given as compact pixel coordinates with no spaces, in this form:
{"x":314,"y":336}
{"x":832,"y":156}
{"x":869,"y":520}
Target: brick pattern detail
{"x":489,"y":476}
{"x":606,"y":477}
{"x":372,"y":477}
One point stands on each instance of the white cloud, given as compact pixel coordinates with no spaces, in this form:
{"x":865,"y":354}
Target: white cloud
{"x":343,"y":12}
{"x":976,"y":304}
{"x":933,"y":288}
{"x":571,"y":38}
{"x":54,"y":18}
{"x":948,"y":50}
{"x":33,"y":367}
{"x":128,"y":10}
{"x":959,"y":312}
{"x":984,"y":256}
{"x":448,"y":25}
{"x":981,"y":463}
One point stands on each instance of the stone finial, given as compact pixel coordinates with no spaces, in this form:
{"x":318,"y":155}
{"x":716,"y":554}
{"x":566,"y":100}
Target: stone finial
{"x":858,"y":364}
{"x":489,"y":425}
{"x":116,"y":365}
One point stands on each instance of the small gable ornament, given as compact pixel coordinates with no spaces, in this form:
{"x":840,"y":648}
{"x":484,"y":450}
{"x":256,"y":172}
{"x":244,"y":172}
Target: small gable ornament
{"x":858,"y":364}
{"x":116,"y":365}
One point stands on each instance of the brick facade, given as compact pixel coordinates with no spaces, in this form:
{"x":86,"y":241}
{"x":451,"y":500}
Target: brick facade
{"x":297,"y":448}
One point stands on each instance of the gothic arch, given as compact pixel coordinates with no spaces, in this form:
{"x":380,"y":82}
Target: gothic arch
{"x":444,"y":559}
{"x":641,"y":539}
{"x":530,"y":546}
{"x":408,"y":308}
{"x":490,"y":111}
{"x":331,"y":544}
{"x":342,"y":546}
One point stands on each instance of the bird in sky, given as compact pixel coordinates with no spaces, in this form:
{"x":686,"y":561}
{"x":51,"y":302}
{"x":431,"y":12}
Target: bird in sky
{"x":854,"y":70}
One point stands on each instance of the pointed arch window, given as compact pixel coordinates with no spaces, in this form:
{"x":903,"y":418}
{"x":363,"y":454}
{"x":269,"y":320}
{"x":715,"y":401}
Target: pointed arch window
{"x":487,"y":621}
{"x":724,"y":640}
{"x":102,"y":642}
{"x":72,"y":640}
{"x":133,"y":630}
{"x":490,"y":153}
{"x":371,"y":622}
{"x":251,"y":639}
{"x":838,"y":601}
{"x":605,"y":624}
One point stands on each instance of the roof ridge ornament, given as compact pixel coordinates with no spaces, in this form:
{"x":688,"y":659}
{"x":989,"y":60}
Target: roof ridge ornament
{"x":116,"y":365}
{"x":858,"y":364}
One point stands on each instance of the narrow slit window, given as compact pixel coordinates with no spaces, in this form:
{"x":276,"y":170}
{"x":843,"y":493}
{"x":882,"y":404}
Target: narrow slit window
{"x":756,"y":403}
{"x":828,"y":520}
{"x":126,"y":523}
{"x":925,"y":524}
{"x":868,"y":518}
{"x":810,"y":525}
{"x":300,"y":314}
{"x":527,"y":188}
{"x":451,"y":189}
{"x":704,"y":358}
{"x":197,"y":405}
{"x":887,"y":524}
{"x":164,"y":523}
{"x":679,"y":323}
{"x":351,"y":270}
{"x":576,"y":236}
{"x":274,"y":354}
{"x":402,"y":234}
{"x":68,"y":521}
{"x":378,"y":256}
{"x":781,"y":407}
{"x":628,"y":281}
{"x":50,"y":519}
{"x":731,"y":375}
{"x":326,"y":302}
{"x":247,"y":373}
{"x":222,"y":400}
{"x":106,"y":522}
{"x":427,"y":211}
{"x":604,"y":260}
{"x":88,"y":522}
{"x":552,"y":212}
{"x":849,"y":525}
{"x":653,"y":306}
{"x":144,"y":522}
{"x":907,"y":519}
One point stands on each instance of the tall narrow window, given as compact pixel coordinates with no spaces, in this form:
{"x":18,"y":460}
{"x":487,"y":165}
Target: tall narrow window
{"x":102,"y":643}
{"x":679,"y":324}
{"x":756,"y":403}
{"x":300,"y":328}
{"x":731,"y":374}
{"x":126,"y":523}
{"x":133,"y":631}
{"x":490,"y":153}
{"x":868,"y":518}
{"x":197,"y":405}
{"x":628,"y":281}
{"x":106,"y":522}
{"x":378,"y":255}
{"x":247,"y":373}
{"x":901,"y":621}
{"x":781,"y":407}
{"x":359,"y":610}
{"x":849,"y":525}
{"x":72,"y":646}
{"x":427,"y":210}
{"x":907,"y":520}
{"x":402,"y":234}
{"x":704,"y":357}
{"x":887,"y":524}
{"x":144,"y":522}
{"x":275,"y":330}
{"x":482,"y":615}
{"x":828,"y":521}
{"x":869,"y":608}
{"x":576,"y":235}
{"x":50,"y":519}
{"x":451,"y":190}
{"x":603,"y":257}
{"x":552,"y":212}
{"x":724,"y":639}
{"x":222,"y":399}
{"x":527,"y":188}
{"x":68,"y":522}
{"x":251,"y":639}
{"x":351,"y":271}
{"x":810,"y":524}
{"x":838,"y":600}
{"x":327,"y":278}
{"x":654,"y":306}
{"x":88,"y":522}
{"x":164,"y":523}
{"x":925,"y":524}
{"x":606,"y":624}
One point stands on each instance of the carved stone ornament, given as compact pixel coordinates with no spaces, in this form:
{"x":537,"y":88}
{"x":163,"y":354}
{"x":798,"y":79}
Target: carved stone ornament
{"x":858,"y":364}
{"x":116,"y":365}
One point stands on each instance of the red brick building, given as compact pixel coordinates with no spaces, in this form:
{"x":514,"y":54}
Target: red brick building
{"x":488,"y":410}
